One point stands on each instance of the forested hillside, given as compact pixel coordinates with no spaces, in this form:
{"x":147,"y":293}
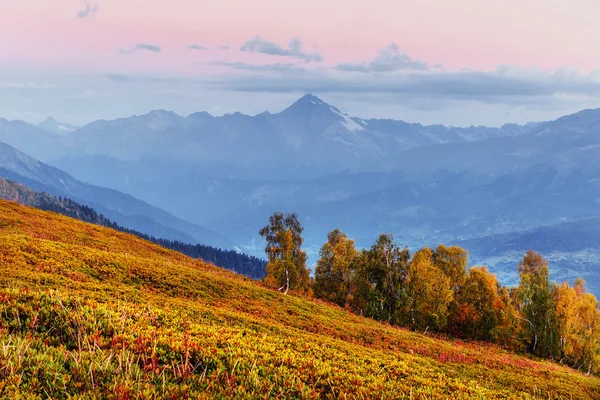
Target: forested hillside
{"x":240,"y":263}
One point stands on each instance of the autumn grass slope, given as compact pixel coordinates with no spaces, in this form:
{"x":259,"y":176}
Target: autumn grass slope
{"x":89,"y":312}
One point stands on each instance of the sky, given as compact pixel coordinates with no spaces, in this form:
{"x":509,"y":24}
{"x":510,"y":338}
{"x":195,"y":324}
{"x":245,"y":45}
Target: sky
{"x":460,"y":62}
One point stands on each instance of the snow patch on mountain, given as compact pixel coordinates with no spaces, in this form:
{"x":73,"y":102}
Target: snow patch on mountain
{"x":347,"y":121}
{"x":50,"y":124}
{"x":157,"y":120}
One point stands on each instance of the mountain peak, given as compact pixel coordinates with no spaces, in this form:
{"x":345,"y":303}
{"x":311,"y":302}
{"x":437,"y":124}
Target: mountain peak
{"x":200,"y":114}
{"x":160,"y":119}
{"x":310,"y":100}
{"x":309,"y":97}
{"x":50,"y":124}
{"x":308,"y":104}
{"x":49,"y":120}
{"x":162,"y":113}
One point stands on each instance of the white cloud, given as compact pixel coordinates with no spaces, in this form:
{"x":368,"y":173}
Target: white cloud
{"x":26,"y":85}
{"x":389,"y":59}
{"x":140,"y":47}
{"x":505,"y":84}
{"x":294,"y":49}
{"x":277,"y":67}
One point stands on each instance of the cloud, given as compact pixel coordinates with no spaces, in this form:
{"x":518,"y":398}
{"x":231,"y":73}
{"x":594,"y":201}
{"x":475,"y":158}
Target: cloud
{"x":223,"y":47}
{"x":149,"y":47}
{"x":294,"y":49}
{"x":88,"y":10}
{"x":26,"y":85}
{"x":119,"y":77}
{"x":389,"y":59}
{"x":125,"y":78}
{"x":86,"y":94}
{"x":140,"y":47}
{"x":196,"y":47}
{"x":396,"y":75}
{"x":505,"y":84}
{"x":277,"y":67}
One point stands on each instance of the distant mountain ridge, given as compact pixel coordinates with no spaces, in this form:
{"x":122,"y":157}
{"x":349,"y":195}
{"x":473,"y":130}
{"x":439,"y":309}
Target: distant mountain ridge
{"x":564,"y":237}
{"x":121,"y":208}
{"x":308,"y":135}
{"x":573,"y":249}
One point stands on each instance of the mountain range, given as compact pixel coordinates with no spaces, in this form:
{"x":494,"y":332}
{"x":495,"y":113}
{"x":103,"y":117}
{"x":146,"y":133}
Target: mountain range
{"x":425,"y":184}
{"x":119,"y":207}
{"x":309,"y":138}
{"x":572,"y":248}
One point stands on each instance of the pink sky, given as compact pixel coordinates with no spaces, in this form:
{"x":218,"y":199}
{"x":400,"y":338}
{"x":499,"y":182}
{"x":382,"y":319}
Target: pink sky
{"x":479,"y":34}
{"x":44,"y":45}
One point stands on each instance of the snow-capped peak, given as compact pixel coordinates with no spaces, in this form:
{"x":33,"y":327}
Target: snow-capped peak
{"x":164,"y":114}
{"x":160,"y":119}
{"x":306,"y":104}
{"x":54,"y":126}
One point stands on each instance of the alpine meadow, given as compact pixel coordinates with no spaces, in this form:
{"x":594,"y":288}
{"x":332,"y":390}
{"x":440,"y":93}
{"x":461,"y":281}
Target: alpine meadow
{"x":88,"y":311}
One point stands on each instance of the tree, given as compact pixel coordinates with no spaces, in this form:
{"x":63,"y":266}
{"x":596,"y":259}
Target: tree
{"x":286,"y":266}
{"x":479,"y":306}
{"x":537,"y":304}
{"x":452,"y":261}
{"x":578,"y":325}
{"x":335,"y":268}
{"x":429,"y":293}
{"x":509,"y":331}
{"x":566,"y":318}
{"x":380,"y":279}
{"x":589,"y":332}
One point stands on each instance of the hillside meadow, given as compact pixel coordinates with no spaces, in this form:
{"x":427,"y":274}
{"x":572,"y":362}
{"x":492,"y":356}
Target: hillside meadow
{"x":89,"y":312}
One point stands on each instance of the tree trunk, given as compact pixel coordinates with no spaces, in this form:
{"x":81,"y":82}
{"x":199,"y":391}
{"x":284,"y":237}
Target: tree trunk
{"x":287,"y":283}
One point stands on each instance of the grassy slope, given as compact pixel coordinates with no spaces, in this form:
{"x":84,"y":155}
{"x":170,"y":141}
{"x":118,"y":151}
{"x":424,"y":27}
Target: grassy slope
{"x":92,"y":311}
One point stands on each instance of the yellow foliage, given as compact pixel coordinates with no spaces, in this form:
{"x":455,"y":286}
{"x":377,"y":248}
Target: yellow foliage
{"x":89,"y":312}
